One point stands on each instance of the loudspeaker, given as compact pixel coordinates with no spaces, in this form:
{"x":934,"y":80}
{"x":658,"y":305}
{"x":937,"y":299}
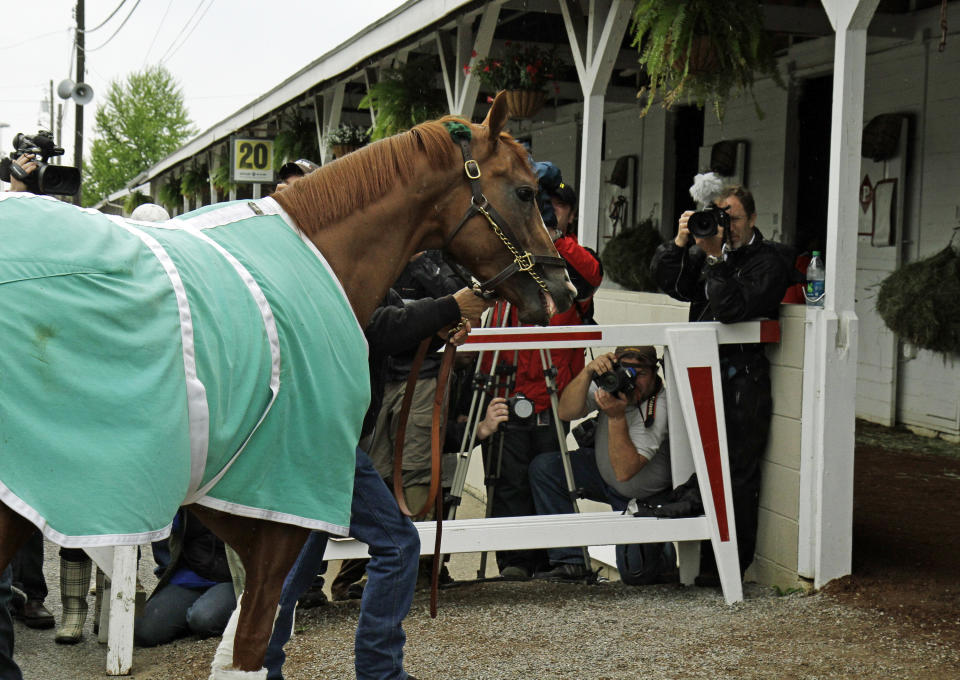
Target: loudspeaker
{"x":81,"y":93}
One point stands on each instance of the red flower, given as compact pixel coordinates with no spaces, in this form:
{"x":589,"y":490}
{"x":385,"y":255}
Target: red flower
{"x":489,"y":99}
{"x":466,"y":68}
{"x":473,"y":54}
{"x":486,"y":69}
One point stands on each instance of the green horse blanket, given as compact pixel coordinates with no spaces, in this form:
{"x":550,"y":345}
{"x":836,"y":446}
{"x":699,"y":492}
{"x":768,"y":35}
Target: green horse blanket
{"x":211,"y":359}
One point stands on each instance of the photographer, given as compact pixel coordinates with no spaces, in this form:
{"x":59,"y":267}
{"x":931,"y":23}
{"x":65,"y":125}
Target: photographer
{"x":631,"y":459}
{"x":27,"y":168}
{"x":731,"y":275}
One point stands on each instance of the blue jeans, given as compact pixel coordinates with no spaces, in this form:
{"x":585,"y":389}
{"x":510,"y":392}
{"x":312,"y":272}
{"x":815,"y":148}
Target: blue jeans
{"x":8,"y":668}
{"x":638,"y":564}
{"x":394,"y":545}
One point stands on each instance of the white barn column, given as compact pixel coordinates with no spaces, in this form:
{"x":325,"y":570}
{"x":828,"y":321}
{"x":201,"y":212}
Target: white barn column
{"x":829,"y":393}
{"x":332,"y":107}
{"x":461,"y":87}
{"x":595,"y":46}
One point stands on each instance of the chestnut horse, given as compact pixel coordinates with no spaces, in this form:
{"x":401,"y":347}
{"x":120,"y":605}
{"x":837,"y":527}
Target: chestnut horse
{"x":450,"y":184}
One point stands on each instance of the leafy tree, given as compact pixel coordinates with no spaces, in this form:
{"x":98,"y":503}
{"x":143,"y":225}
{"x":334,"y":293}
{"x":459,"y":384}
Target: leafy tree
{"x":142,"y":120}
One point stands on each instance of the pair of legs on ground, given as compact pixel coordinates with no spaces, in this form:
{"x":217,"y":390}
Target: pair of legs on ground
{"x":638,"y":564}
{"x":394,"y":546}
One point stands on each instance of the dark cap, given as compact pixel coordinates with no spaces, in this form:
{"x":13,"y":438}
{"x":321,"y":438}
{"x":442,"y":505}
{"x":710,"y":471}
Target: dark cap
{"x":298,"y":167}
{"x":645,"y":355}
{"x":565,"y":194}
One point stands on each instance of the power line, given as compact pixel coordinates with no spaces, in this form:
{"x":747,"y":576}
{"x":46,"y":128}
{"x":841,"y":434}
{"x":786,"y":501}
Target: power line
{"x":100,"y":25}
{"x":157,"y":32}
{"x":104,"y":44}
{"x":170,"y":53}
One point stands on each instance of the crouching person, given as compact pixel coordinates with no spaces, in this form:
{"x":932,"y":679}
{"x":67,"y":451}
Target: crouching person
{"x":195,"y":593}
{"x":631,"y":459}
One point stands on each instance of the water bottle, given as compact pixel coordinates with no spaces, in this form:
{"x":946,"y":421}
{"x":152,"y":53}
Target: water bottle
{"x":813,"y":291}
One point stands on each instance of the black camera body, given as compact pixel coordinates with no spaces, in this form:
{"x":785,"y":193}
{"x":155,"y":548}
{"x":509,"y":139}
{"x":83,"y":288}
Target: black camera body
{"x":704,"y":223}
{"x":521,"y":409}
{"x":46,"y":179}
{"x":619,"y":380}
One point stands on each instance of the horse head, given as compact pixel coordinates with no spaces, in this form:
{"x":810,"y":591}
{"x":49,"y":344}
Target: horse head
{"x":495,"y":228}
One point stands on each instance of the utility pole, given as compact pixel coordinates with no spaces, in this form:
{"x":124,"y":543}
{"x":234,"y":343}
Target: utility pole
{"x":78,"y":134}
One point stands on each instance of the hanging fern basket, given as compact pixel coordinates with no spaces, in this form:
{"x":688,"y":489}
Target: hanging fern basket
{"x":525,"y":103}
{"x":920,"y":302}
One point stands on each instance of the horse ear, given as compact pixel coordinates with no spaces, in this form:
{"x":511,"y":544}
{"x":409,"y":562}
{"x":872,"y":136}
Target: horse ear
{"x":497,"y":116}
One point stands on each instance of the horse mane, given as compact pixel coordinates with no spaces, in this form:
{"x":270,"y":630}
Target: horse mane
{"x":364,"y":176}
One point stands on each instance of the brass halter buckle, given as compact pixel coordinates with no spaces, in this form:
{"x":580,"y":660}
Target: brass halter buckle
{"x":524,"y":262}
{"x":472,"y":168}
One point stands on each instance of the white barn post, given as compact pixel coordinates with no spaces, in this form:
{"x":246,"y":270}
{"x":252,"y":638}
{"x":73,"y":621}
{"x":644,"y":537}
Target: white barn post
{"x":830,"y":378}
{"x":462,"y":87}
{"x":595,"y":47}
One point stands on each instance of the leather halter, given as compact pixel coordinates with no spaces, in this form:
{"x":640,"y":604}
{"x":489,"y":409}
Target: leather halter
{"x":523,"y":261}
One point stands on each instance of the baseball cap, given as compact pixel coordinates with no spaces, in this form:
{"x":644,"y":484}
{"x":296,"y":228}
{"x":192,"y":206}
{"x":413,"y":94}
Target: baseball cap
{"x":300,"y":167}
{"x":565,"y":194}
{"x":645,"y":355}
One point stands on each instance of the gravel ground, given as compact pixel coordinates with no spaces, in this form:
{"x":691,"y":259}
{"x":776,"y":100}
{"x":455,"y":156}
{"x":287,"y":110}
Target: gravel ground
{"x":536,"y":630}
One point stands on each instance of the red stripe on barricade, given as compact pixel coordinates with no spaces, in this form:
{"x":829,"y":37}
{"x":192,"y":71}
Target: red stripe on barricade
{"x":701,"y":387}
{"x":769,"y":331}
{"x":533,"y":337}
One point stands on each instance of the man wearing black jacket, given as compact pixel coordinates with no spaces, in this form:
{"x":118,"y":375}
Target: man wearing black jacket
{"x":732,"y":277}
{"x":375,"y":519}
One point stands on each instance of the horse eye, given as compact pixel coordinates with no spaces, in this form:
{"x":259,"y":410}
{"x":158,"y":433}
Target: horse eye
{"x":526,"y":194}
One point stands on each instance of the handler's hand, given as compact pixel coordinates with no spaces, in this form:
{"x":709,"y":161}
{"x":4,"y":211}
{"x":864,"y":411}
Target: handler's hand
{"x":497,"y":412}
{"x":460,"y":336}
{"x":471,"y":305}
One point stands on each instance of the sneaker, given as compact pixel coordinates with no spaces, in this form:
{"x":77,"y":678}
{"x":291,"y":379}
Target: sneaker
{"x":567,"y":572}
{"x":514,"y":572}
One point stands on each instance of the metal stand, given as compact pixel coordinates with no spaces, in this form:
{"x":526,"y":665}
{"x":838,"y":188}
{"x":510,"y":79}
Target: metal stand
{"x":550,"y":375}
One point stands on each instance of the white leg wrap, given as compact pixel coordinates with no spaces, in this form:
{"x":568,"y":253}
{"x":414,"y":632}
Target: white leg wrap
{"x":222,"y":666}
{"x":223,"y":658}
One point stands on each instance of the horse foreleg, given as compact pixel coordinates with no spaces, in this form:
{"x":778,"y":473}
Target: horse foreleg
{"x":15,"y":529}
{"x":268,"y":551}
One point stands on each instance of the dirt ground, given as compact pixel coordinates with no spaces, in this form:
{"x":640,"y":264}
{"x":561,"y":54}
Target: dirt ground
{"x":897,"y":616}
{"x":906,"y":532}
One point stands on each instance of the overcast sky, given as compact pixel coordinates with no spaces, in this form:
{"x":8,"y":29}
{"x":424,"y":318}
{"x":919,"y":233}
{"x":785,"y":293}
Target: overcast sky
{"x":224,"y":53}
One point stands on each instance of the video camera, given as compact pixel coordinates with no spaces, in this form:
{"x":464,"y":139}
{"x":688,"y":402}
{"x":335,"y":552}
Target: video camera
{"x":46,"y":179}
{"x":704,"y":223}
{"x":618,"y":380}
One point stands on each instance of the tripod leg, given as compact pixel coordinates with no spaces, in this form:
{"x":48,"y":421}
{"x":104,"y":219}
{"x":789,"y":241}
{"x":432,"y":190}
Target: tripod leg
{"x":548,"y":375}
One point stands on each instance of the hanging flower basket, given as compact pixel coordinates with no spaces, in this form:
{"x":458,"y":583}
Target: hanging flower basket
{"x":341,"y":150}
{"x":525,"y":103}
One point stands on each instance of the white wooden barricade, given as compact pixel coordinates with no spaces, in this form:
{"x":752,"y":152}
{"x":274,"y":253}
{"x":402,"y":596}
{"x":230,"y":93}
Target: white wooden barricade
{"x":698,"y":442}
{"x":120,"y":565}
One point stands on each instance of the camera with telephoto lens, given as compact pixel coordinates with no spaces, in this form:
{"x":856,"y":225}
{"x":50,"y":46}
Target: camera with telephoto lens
{"x":46,"y":179}
{"x":704,"y":223}
{"x":618,"y":380}
{"x":520,"y":408}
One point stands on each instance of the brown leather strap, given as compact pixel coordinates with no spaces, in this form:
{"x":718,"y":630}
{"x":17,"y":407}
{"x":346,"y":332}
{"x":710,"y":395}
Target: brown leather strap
{"x":402,"y":432}
{"x":437,"y":432}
